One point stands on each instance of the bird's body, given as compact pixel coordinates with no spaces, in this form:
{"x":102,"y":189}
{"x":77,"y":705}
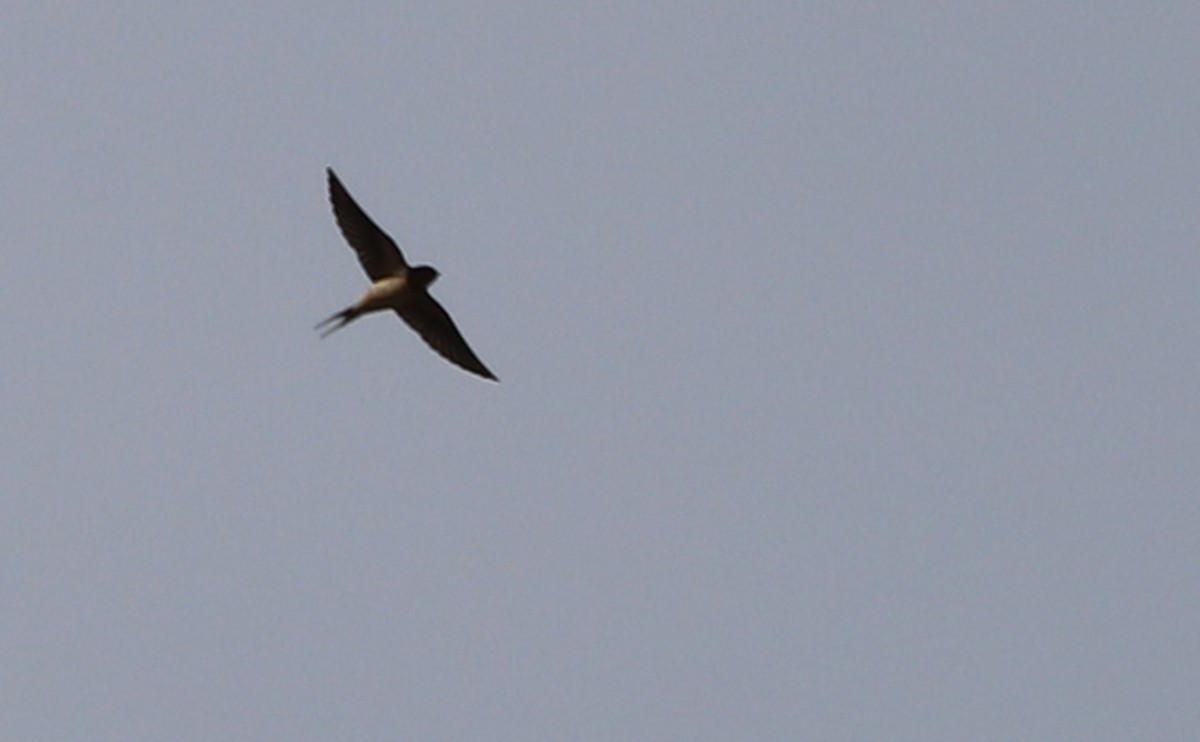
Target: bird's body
{"x":395,"y":285}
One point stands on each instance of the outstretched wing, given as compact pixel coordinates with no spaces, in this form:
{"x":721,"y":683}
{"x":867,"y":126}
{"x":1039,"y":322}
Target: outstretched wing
{"x":379,"y":255}
{"x":435,"y":327}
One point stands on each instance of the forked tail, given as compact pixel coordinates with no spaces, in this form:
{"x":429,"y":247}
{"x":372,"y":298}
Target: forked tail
{"x":337,"y":321}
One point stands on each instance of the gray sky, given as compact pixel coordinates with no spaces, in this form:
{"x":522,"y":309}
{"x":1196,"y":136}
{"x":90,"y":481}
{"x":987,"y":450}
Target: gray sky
{"x":849,"y":358}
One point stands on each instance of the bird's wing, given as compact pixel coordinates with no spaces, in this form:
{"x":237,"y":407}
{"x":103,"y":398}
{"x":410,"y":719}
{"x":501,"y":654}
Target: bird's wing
{"x":435,"y":327}
{"x":379,"y":255}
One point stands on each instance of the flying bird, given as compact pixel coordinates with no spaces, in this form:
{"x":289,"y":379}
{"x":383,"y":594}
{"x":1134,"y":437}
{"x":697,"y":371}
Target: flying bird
{"x":395,"y":285}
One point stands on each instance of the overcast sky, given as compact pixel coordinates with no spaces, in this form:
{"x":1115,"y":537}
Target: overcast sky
{"x":848,"y":350}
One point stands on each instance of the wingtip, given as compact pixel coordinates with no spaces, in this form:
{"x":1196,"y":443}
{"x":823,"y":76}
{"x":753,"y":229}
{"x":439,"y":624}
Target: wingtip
{"x":334,"y":184}
{"x":481,"y":371}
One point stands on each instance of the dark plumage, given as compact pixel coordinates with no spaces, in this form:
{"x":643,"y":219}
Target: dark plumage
{"x":395,"y":285}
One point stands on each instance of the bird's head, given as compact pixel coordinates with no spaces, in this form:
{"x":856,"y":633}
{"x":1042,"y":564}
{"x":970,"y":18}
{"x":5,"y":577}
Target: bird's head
{"x":423,"y":275}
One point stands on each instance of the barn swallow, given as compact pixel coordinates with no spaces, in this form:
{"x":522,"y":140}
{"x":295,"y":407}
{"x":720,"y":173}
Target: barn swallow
{"x":395,"y":285}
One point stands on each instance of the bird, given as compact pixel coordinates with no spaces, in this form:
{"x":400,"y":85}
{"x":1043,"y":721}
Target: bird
{"x":395,"y":285}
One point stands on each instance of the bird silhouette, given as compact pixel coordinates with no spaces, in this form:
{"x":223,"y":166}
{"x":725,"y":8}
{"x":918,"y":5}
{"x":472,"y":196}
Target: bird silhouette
{"x":395,"y":285}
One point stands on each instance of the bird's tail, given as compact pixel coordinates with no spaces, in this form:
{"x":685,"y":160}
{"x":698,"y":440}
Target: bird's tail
{"x":337,"y":320}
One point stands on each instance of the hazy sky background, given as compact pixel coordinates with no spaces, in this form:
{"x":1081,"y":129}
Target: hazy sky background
{"x":849,"y":357}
